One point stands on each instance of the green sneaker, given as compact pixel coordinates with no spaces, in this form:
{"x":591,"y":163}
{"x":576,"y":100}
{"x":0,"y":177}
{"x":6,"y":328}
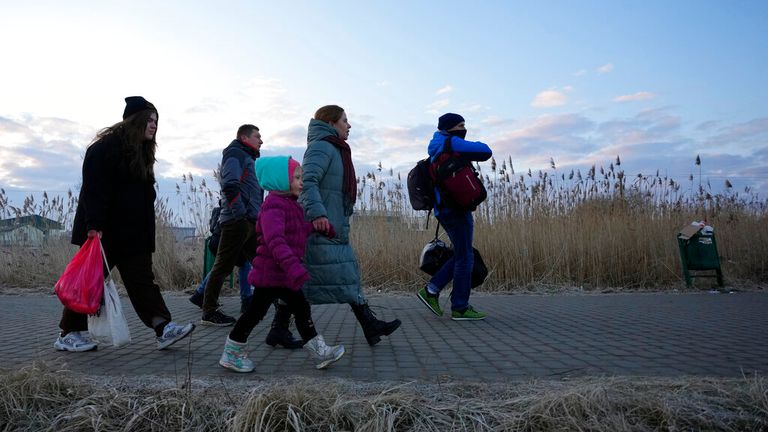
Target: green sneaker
{"x":468,"y":315}
{"x":431,"y":301}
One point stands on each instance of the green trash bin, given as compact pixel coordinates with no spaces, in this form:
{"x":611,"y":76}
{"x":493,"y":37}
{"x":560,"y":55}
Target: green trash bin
{"x":698,"y":253}
{"x":209,"y":258}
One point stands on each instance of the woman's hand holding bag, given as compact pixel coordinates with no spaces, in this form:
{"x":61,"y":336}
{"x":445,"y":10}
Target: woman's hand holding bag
{"x":81,"y":285}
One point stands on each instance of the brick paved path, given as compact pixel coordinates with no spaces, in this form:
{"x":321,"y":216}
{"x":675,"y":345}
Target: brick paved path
{"x":524,"y":337}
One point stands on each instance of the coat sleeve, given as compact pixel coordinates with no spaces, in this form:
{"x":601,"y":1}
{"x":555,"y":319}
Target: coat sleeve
{"x":471,"y":150}
{"x":272,"y":221}
{"x":315,"y":163}
{"x":231,"y":172}
{"x":96,"y":186}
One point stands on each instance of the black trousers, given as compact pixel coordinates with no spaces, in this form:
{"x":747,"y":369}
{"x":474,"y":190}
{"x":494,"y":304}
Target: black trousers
{"x":144,"y":293}
{"x":236,"y":237}
{"x":261,"y":302}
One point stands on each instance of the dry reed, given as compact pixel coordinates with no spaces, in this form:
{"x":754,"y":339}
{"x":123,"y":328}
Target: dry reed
{"x":40,"y":398}
{"x":597,"y":230}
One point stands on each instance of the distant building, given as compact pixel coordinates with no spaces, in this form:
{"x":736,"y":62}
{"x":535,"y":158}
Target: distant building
{"x":37,"y":221}
{"x":22,"y":235}
{"x":30,"y":230}
{"x":183,"y":233}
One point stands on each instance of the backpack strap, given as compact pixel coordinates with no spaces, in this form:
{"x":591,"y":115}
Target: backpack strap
{"x":447,"y":148}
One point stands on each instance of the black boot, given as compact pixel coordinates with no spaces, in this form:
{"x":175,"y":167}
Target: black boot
{"x":373,"y":328}
{"x":279,"y":333}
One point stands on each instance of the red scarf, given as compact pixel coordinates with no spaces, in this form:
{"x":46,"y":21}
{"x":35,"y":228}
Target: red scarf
{"x":350,"y":181}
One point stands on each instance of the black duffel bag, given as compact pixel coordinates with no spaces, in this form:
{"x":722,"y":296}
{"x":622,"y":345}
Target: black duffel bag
{"x":436,"y":253}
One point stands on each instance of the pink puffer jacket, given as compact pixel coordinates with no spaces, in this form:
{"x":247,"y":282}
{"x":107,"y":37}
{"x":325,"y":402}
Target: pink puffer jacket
{"x":281,"y":236}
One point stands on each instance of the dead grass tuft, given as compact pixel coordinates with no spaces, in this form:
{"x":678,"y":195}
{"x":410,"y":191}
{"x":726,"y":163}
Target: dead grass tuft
{"x":40,"y":398}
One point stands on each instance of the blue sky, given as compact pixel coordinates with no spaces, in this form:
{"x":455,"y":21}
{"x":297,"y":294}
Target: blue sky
{"x":653,"y":82}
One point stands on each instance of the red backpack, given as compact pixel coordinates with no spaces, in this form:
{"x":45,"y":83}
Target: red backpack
{"x":457,"y":180}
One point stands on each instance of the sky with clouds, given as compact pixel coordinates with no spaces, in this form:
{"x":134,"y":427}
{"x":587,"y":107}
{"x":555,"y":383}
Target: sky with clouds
{"x":655,"y":82}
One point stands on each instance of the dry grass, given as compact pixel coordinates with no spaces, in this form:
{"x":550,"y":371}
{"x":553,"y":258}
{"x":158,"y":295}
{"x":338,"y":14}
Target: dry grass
{"x":38,"y":398}
{"x":176,"y":266}
{"x":596,"y":231}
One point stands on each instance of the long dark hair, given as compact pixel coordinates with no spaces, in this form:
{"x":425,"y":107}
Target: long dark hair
{"x":137,"y":154}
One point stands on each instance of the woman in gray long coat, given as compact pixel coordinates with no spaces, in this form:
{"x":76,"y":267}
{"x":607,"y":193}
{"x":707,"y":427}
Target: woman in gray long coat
{"x":328,"y":198}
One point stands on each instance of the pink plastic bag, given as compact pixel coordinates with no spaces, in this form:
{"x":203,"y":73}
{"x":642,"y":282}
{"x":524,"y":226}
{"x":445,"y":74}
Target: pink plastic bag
{"x":81,"y":286}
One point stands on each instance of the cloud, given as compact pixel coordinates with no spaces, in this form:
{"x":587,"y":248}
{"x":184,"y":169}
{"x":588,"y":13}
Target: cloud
{"x":496,"y":121}
{"x":438,"y":106}
{"x":396,"y":147}
{"x":474,"y":108}
{"x":445,"y":90}
{"x":645,"y":127}
{"x":604,"y":69}
{"x":707,"y":125}
{"x":42,"y":153}
{"x":635,"y":97}
{"x":207,"y":122}
{"x":741,"y":138}
{"x":650,"y":141}
{"x":536,"y":140}
{"x":550,"y":98}
{"x":580,"y":72}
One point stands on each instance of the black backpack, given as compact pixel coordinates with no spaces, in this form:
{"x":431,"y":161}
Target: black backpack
{"x":215,"y":237}
{"x":213,"y":222}
{"x":421,"y":191}
{"x":213,"y":225}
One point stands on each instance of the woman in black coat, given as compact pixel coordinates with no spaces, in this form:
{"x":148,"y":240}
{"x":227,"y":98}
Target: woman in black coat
{"x":117,"y":204}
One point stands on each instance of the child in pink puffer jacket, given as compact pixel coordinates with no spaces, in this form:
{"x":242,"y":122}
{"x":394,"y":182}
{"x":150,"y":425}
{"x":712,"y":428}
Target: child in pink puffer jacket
{"x":278,"y":273}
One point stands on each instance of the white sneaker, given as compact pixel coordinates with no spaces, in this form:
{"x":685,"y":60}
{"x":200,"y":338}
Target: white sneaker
{"x":173,"y":333}
{"x":320,"y":351}
{"x":77,"y":341}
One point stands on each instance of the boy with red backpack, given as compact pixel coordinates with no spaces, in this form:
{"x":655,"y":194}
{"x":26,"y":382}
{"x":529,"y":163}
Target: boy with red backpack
{"x":448,"y":147}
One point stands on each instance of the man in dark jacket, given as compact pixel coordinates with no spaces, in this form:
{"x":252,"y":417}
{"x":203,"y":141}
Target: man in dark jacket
{"x":241,"y":198}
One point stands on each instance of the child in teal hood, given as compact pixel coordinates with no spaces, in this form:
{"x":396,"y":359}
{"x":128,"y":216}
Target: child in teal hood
{"x":278,"y":272}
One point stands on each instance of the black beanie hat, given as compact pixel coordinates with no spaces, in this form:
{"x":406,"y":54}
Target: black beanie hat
{"x":448,"y":121}
{"x":134,"y":104}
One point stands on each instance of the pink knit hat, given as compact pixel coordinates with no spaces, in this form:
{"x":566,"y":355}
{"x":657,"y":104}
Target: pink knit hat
{"x":292,"y":165}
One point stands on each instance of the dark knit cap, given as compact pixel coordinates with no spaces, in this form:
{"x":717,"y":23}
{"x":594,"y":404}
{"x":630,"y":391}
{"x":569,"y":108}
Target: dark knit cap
{"x":134,"y":104}
{"x":448,"y":121}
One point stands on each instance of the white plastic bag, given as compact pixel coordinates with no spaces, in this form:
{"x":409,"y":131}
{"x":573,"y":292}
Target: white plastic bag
{"x":109,"y":325}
